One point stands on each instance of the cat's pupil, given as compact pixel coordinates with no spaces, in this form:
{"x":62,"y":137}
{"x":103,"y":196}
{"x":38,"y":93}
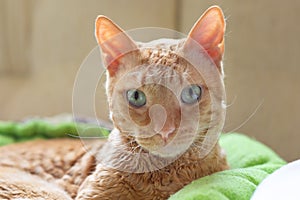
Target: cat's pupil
{"x":136,"y":98}
{"x":191,"y":92}
{"x":136,"y":95}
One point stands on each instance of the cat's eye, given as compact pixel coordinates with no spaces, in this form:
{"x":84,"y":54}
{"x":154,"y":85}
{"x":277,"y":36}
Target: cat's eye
{"x":136,"y":98}
{"x":191,"y":94}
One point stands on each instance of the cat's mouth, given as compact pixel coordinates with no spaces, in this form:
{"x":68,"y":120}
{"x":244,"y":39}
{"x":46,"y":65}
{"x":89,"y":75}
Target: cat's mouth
{"x":154,"y":140}
{"x":157,"y":137}
{"x":157,"y":143}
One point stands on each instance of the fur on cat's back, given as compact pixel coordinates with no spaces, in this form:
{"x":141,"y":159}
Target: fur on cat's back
{"x":47,"y":169}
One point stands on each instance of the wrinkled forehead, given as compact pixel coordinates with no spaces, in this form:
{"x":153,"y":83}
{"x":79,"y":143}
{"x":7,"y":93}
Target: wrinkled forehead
{"x":162,"y":66}
{"x":151,"y":74}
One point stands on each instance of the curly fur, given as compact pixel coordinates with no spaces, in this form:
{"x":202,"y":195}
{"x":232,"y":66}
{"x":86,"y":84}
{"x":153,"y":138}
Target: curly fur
{"x":134,"y":163}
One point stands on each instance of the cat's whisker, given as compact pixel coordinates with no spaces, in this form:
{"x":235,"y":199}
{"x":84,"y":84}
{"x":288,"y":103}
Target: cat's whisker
{"x":201,"y":136}
{"x":205,"y":128}
{"x":248,"y":118}
{"x":202,"y":146}
{"x":232,"y":102}
{"x":133,"y":149}
{"x":125,"y":131}
{"x":150,"y":75}
{"x":87,"y":137}
{"x":127,"y":143}
{"x":141,"y":149}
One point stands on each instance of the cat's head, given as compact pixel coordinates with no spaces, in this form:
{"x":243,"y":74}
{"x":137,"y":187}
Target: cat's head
{"x":165,"y":94}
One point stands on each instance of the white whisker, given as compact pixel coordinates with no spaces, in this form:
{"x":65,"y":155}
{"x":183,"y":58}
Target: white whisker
{"x":88,"y":137}
{"x":249,"y":117}
{"x":232,"y":102}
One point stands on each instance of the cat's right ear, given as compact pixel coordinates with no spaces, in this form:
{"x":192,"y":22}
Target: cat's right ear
{"x":208,"y":32}
{"x":114,"y":42}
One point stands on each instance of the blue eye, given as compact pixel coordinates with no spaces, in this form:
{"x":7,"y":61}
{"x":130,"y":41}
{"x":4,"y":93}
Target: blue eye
{"x":191,"y":94}
{"x":136,"y":98}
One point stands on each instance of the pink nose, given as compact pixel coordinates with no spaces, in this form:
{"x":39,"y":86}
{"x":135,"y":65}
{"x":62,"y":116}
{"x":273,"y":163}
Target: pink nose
{"x":162,"y":124}
{"x":166,"y":132}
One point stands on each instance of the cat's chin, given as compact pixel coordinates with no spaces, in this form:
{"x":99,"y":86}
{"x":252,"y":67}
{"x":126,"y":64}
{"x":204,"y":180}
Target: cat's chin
{"x":163,"y":151}
{"x":169,"y":148}
{"x":166,"y":154}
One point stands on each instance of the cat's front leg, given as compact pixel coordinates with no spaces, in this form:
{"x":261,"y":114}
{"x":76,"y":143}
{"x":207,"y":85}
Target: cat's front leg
{"x":105,"y":184}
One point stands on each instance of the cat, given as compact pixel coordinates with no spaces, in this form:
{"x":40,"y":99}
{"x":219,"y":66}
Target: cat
{"x":166,"y":116}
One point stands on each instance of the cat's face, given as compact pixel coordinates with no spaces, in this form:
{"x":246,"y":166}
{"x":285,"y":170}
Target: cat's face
{"x":157,"y":97}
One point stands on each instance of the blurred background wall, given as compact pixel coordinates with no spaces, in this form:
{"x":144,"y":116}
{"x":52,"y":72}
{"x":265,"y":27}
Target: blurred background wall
{"x":43,"y":43}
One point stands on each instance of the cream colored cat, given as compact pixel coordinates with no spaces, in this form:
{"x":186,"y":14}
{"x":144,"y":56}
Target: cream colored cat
{"x":166,"y":101}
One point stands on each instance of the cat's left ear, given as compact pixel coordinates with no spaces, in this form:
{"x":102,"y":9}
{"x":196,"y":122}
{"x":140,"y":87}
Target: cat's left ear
{"x":114,"y":42}
{"x":209,"y":31}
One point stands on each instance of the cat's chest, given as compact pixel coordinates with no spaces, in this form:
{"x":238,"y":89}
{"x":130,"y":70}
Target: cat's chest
{"x":159,"y":184}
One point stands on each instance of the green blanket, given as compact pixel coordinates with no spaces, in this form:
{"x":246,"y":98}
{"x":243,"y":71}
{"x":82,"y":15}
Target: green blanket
{"x":250,"y":161}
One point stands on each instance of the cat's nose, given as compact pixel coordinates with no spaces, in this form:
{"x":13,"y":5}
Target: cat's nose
{"x":166,"y":133}
{"x":162,"y":124}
